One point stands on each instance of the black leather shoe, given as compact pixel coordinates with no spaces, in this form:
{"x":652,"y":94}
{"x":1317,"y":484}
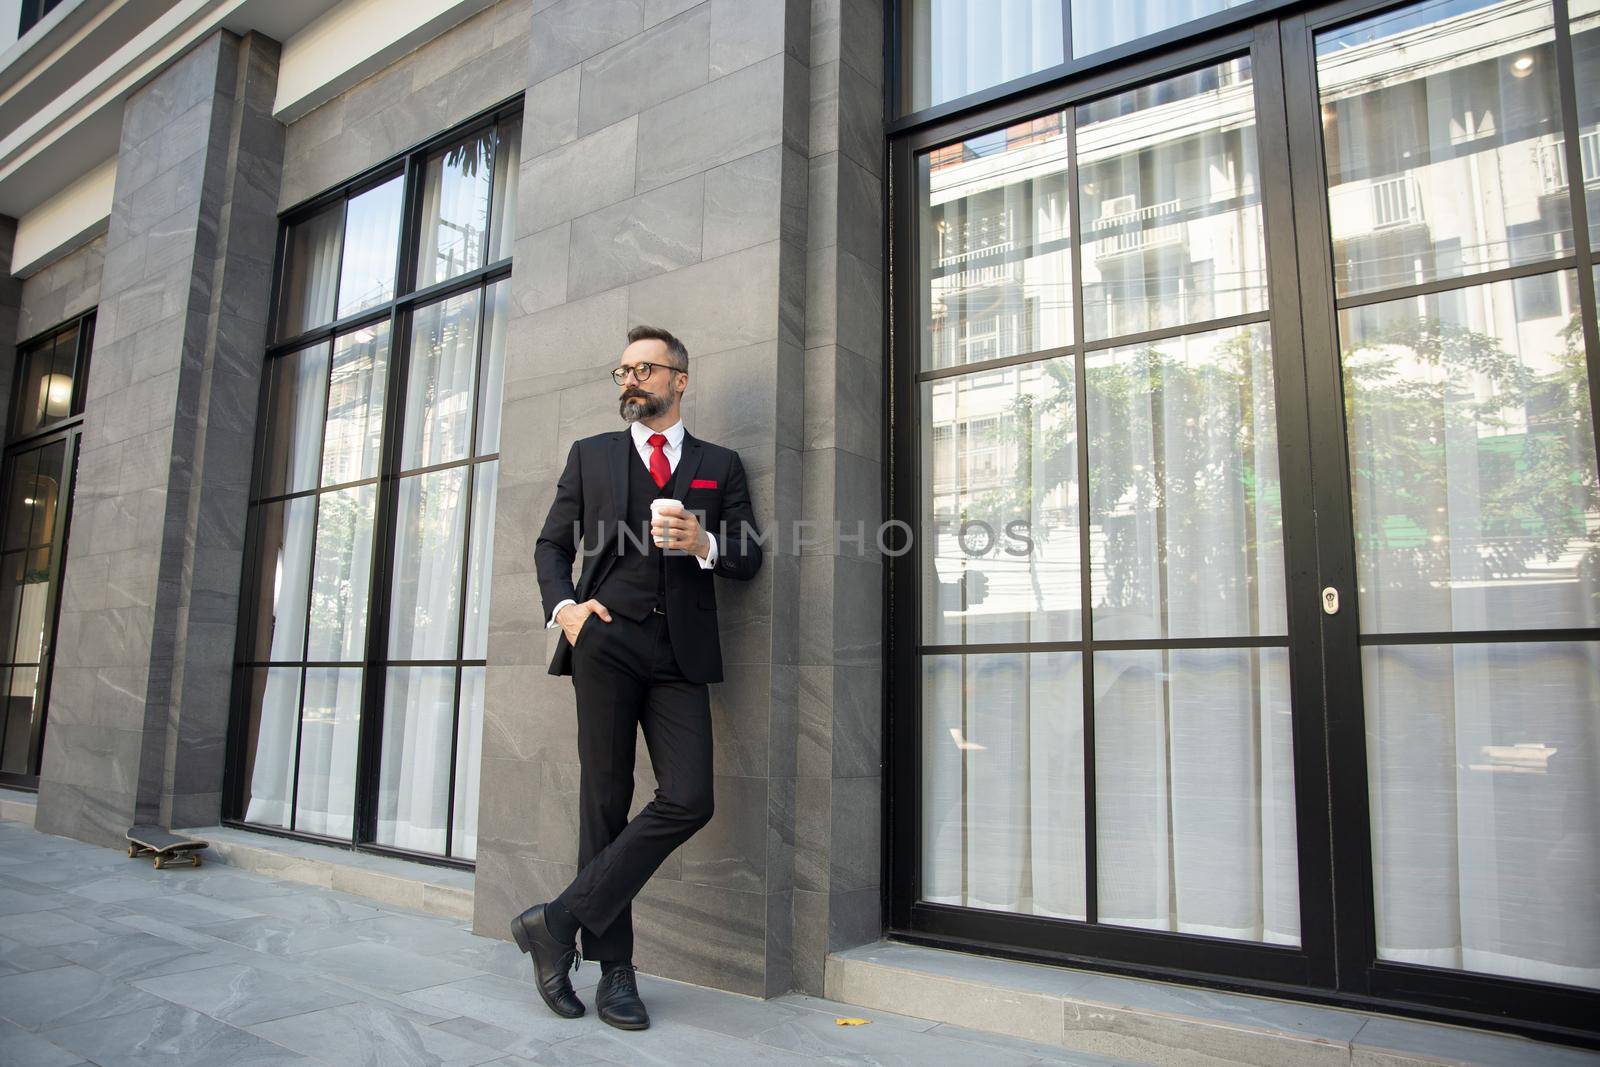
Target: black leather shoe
{"x":616,"y":998}
{"x":552,"y":959}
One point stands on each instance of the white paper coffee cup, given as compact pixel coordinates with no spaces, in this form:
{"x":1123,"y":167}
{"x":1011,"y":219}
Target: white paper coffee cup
{"x":655,"y":506}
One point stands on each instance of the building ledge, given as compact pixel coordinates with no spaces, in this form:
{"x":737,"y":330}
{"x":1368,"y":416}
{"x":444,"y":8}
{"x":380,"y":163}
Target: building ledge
{"x":18,"y":805}
{"x":1155,"y":1022}
{"x":444,"y":891}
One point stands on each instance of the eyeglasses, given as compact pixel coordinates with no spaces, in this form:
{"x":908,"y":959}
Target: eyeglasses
{"x":641,"y":372}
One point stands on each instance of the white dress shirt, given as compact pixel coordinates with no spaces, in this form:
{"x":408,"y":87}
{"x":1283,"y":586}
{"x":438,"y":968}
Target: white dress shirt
{"x":674,"y":451}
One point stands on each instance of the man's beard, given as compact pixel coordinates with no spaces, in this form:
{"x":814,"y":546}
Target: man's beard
{"x":636,"y":406}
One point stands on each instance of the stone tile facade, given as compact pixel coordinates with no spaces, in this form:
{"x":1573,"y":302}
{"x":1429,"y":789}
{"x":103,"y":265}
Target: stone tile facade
{"x":144,"y":644}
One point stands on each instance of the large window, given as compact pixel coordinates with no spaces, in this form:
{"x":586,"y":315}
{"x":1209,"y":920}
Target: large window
{"x":1245,"y":359}
{"x":44,"y":426}
{"x":360,"y":688}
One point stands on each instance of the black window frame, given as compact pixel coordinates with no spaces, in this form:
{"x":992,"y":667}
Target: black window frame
{"x":398,"y":312}
{"x":1337,"y":962}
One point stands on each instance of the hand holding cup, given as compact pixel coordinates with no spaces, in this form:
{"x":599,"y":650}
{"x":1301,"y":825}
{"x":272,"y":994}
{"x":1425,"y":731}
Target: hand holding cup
{"x":673,"y":527}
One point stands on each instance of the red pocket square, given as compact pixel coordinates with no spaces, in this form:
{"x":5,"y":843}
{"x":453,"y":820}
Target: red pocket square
{"x":703,"y":483}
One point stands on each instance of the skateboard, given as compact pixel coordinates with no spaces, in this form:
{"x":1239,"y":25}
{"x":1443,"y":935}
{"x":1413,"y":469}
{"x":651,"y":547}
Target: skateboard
{"x":165,"y":845}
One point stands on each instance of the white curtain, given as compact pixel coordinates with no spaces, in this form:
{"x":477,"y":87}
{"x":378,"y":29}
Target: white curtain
{"x":469,"y":756}
{"x":439,"y":395}
{"x":503,"y":212}
{"x":1100,"y":24}
{"x":414,"y":784}
{"x":329,"y":733}
{"x":312,"y":273}
{"x":277,"y":729}
{"x":962,"y":46}
{"x":1003,"y":801}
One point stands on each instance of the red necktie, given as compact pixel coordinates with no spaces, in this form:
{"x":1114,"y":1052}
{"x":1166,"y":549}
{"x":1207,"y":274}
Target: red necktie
{"x":660,"y":469}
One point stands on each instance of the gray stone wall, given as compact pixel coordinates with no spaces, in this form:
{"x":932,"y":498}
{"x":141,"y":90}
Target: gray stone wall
{"x":69,"y":286}
{"x":663,"y":181}
{"x":838,"y":849}
{"x":139,"y":701}
{"x":10,"y":309}
{"x":479,"y":62}
{"x":711,"y":200}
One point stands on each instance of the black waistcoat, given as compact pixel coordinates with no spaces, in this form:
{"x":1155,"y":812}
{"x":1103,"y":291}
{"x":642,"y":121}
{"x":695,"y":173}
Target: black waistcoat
{"x":637,"y":581}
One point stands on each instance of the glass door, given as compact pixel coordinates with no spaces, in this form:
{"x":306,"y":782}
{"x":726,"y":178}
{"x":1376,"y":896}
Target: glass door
{"x":1245,"y":406}
{"x":45,"y":419}
{"x":1107,"y":750}
{"x":1447,"y":179}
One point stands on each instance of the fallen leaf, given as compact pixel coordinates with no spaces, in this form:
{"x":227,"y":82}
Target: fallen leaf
{"x":851,"y":1022}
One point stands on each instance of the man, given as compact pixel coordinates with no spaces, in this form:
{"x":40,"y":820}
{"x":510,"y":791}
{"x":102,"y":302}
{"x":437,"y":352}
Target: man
{"x":641,"y":644}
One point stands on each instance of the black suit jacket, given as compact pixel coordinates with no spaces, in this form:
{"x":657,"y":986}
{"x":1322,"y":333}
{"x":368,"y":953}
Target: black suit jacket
{"x":591,"y":505}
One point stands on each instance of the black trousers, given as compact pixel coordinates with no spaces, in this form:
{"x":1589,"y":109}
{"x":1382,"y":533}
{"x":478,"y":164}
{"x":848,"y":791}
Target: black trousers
{"x":626,"y":675}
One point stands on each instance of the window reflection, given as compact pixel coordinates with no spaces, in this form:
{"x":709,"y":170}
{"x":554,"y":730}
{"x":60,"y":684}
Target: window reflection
{"x":1585,"y":23}
{"x":371,"y":240}
{"x":310,"y":273}
{"x":1444,"y":143}
{"x":996,"y":245}
{"x":1170,"y":204}
{"x":1000,"y":506}
{"x":1473,"y":462}
{"x":455,"y":209}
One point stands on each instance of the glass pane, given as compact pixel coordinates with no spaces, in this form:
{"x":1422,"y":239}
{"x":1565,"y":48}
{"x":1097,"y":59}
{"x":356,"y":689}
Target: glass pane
{"x":1473,"y":461}
{"x":31,"y":600}
{"x":1097,"y":25}
{"x":444,"y":353}
{"x":957,"y":47}
{"x":1194,"y":793}
{"x":295,"y":420}
{"x":1170,"y":204}
{"x":1003,"y":792}
{"x":354,"y":433}
{"x":14,"y":587}
{"x":1585,"y":22}
{"x":425,"y":602}
{"x":343,"y":571}
{"x":1000,"y":525}
{"x":1443,"y":135}
{"x":329,"y":731}
{"x":414,"y":777}
{"x":21,"y":499}
{"x":490,"y":389}
{"x":1483,"y":766}
{"x":997,"y":245}
{"x":270,"y":746}
{"x":480,"y":562}
{"x":371,"y":242}
{"x":455,"y":209}
{"x":469,"y":757}
{"x":18,"y":686}
{"x":285,"y":539}
{"x":1186,"y":521}
{"x":310,"y":273}
{"x":45,"y":493}
{"x":507,"y":160}
{"x":44,"y":390}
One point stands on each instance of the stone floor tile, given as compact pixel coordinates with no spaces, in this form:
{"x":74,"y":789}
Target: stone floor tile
{"x":67,"y":995}
{"x":242,"y":995}
{"x":168,"y":1035}
{"x":366,"y":1035}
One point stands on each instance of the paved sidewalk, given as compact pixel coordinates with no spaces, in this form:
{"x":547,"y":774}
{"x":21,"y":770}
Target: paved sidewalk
{"x":106,"y":960}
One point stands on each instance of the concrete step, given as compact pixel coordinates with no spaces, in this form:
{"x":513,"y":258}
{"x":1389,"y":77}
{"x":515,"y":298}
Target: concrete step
{"x":445,"y":891}
{"x":18,"y":805}
{"x":1150,"y":1022}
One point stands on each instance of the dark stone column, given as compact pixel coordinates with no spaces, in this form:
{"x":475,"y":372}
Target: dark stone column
{"x":139,"y":710}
